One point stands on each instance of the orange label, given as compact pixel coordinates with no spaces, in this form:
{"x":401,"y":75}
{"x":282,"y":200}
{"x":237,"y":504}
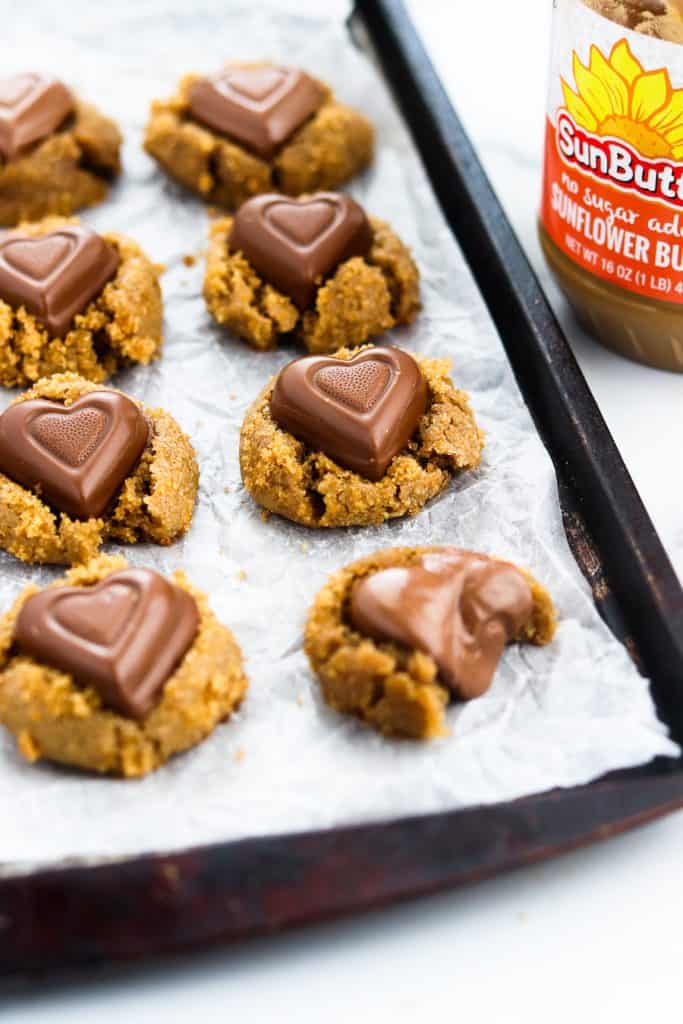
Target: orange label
{"x":613,"y":175}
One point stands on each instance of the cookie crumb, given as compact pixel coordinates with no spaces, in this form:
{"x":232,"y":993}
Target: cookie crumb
{"x":189,"y":260}
{"x":242,"y":575}
{"x":171,"y":874}
{"x":239,"y":754}
{"x":28,"y":748}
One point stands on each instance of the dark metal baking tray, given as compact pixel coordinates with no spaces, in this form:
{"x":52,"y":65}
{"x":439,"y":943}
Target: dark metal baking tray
{"x":68,"y":917}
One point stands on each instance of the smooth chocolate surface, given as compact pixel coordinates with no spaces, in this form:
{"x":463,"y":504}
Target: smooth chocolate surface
{"x":295,"y":243}
{"x":259,"y":106}
{"x":459,"y":607}
{"x":361,"y":412}
{"x":56,"y":275}
{"x":125,"y":636}
{"x":32,"y":106}
{"x":76,"y":457}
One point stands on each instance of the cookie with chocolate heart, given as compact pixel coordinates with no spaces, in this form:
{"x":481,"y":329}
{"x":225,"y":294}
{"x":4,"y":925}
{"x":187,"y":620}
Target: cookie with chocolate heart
{"x":124,"y":636}
{"x":57,"y":154}
{"x":361,"y":412}
{"x":258,"y":107}
{"x":75,"y":457}
{"x":32,"y":107}
{"x":414,"y":628}
{"x":253,"y":127}
{"x":56,"y":275}
{"x":71,"y":298}
{"x":316,"y":268}
{"x":80,"y":463}
{"x":116,"y":669}
{"x":295,"y":245}
{"x":357,"y":438}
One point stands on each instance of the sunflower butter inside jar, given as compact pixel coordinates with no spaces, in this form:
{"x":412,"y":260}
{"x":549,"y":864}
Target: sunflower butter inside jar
{"x":611,"y":221}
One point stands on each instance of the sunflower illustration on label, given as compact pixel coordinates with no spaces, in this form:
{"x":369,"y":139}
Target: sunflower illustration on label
{"x":613,"y":173}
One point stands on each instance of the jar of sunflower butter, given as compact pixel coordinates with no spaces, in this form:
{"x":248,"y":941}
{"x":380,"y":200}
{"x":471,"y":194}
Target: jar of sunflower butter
{"x":611,"y":221}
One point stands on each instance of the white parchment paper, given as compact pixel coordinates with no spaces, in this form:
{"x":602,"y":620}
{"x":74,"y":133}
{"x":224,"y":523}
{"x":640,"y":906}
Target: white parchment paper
{"x":557,"y":716}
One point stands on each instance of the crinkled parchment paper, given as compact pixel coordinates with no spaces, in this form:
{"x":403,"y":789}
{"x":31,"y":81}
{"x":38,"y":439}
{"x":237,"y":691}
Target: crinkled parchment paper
{"x":558,"y":716}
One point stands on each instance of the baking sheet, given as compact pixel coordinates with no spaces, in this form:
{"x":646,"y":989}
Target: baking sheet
{"x":558,"y":716}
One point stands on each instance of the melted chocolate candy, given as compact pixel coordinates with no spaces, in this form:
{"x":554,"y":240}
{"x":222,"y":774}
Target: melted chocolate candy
{"x":31,"y":107}
{"x":361,"y":412}
{"x":459,"y":607}
{"x":295,"y":243}
{"x":76,"y":457}
{"x":125,"y":636}
{"x":258,"y":106}
{"x":56,"y":275}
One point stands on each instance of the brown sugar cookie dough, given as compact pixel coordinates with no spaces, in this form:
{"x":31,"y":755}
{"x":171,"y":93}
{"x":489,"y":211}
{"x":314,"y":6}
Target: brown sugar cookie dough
{"x":209,"y":138}
{"x":57,"y":153}
{"x":361,"y":290}
{"x":662,"y":19}
{"x":119,"y":326}
{"x":399,"y":687}
{"x":80,"y":723}
{"x":287,"y":476}
{"x":152,"y":497}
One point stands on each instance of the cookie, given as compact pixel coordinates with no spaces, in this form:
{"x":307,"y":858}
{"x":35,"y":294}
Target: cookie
{"x":80,"y":464}
{"x":115,"y":670}
{"x":57,"y":154}
{"x":72,"y":300}
{"x":255,"y":127}
{"x":357,"y":400}
{"x":394,"y":637}
{"x":350,"y":277}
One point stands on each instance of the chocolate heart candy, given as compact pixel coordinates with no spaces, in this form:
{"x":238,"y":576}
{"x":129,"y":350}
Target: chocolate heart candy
{"x":32,"y":106}
{"x":75,"y":456}
{"x":259,"y":106}
{"x":459,"y":607}
{"x":295,"y":243}
{"x":56,"y":275}
{"x":125,"y":636}
{"x":361,"y":412}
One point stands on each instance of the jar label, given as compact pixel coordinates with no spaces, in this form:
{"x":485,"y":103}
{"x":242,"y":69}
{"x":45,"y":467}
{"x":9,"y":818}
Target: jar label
{"x":613,"y":175}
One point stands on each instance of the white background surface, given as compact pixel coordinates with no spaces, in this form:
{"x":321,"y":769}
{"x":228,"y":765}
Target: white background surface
{"x":597,"y":933}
